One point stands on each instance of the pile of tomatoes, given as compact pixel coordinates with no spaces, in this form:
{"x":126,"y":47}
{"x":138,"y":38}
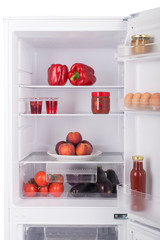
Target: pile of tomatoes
{"x":43,"y":185}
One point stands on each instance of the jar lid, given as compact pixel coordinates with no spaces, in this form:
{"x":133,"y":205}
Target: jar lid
{"x":141,"y":36}
{"x":137,"y":158}
{"x":100,"y":94}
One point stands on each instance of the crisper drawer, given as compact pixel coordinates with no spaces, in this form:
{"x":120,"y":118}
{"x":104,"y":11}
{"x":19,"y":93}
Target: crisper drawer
{"x":70,"y":233}
{"x":139,"y":205}
{"x":42,"y":176}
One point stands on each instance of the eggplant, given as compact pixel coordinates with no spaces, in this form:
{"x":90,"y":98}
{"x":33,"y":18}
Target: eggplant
{"x":79,"y":190}
{"x":112,"y":176}
{"x":104,"y":185}
{"x":82,"y":189}
{"x":92,"y":188}
{"x":105,"y":189}
{"x":101,"y":176}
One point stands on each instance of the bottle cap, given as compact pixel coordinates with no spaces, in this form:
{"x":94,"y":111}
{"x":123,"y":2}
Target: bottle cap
{"x":141,"y":36}
{"x":137,"y":158}
{"x":100,"y":94}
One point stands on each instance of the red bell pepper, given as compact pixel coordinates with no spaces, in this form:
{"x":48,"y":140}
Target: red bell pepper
{"x":57,"y":74}
{"x":81,"y":74}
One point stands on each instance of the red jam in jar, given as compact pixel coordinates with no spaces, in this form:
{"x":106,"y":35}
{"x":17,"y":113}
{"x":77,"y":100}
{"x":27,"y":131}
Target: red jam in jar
{"x":100,"y":102}
{"x":51,"y":105}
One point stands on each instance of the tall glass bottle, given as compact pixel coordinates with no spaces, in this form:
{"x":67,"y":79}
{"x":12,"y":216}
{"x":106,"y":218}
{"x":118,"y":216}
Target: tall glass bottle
{"x":138,"y":175}
{"x":138,"y":183}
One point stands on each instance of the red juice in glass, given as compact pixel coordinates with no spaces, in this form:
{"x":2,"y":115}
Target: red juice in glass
{"x":51,"y":105}
{"x":36,"y":106}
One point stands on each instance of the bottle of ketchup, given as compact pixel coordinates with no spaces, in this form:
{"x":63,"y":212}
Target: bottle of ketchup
{"x":138,"y":183}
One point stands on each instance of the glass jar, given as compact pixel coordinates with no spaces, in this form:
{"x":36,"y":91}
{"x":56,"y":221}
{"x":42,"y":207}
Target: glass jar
{"x":138,"y":175}
{"x":138,"y":184}
{"x":36,"y":105}
{"x":100,"y":102}
{"x":139,"y":42}
{"x":51,"y":105}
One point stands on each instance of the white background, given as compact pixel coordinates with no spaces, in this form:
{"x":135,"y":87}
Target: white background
{"x":14,"y":8}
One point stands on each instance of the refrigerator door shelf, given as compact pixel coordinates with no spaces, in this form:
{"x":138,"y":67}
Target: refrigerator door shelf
{"x":140,"y":206}
{"x":127,"y":52}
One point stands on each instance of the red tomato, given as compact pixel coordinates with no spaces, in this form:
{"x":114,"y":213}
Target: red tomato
{"x":29,"y":190}
{"x":41,"y":179}
{"x":57,"y":178}
{"x":56,"y":189}
{"x":43,"y":191}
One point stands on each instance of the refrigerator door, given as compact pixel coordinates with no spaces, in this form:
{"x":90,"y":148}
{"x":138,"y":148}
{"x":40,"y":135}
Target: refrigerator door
{"x":146,"y":22}
{"x":138,"y":231}
{"x":142,"y":129}
{"x":143,"y":23}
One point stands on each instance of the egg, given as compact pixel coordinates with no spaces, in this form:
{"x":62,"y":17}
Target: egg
{"x":136,"y":99}
{"x":155,"y":101}
{"x":128,"y":99}
{"x":144,"y":100}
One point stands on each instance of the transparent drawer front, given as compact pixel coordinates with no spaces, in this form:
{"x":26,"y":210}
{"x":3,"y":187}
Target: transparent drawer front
{"x":71,"y":233}
{"x":137,"y":203}
{"x":43,"y":176}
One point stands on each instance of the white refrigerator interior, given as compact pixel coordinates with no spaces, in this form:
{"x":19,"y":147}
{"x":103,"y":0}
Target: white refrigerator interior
{"x":32,"y":45}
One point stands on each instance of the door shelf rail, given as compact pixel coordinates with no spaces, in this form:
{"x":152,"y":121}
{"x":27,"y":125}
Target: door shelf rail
{"x":152,"y":50}
{"x":139,"y":204}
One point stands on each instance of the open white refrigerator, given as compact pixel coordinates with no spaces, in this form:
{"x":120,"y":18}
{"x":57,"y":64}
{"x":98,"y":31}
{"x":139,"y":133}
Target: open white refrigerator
{"x":31,"y":46}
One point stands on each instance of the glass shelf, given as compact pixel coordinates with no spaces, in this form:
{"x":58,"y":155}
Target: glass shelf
{"x":72,"y":87}
{"x":43,"y":157}
{"x":72,"y":115}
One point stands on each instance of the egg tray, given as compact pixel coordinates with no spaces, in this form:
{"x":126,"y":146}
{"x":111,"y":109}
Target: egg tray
{"x":142,"y":107}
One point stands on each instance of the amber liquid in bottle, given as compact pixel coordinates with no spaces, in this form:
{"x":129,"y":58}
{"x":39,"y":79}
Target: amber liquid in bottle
{"x":138,"y":183}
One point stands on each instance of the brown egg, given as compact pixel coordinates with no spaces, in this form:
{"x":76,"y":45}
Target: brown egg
{"x":136,"y":98}
{"x":144,"y":100}
{"x":128,"y":99}
{"x":155,"y":101}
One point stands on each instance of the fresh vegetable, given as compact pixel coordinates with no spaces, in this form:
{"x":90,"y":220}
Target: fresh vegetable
{"x":101,"y":176}
{"x":32,"y":181}
{"x":57,"y":178}
{"x":41,"y":179}
{"x":112,"y":176}
{"x":81,"y":74}
{"x":57,"y":74}
{"x":105,"y":189}
{"x":43,"y":191}
{"x":29,"y":189}
{"x":81,"y":189}
{"x":56,"y":189}
{"x":104,"y":185}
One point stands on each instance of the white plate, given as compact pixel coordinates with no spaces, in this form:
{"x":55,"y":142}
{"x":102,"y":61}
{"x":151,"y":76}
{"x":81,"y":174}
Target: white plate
{"x":75,"y":157}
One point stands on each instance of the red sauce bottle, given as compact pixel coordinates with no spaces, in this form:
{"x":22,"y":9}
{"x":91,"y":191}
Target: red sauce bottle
{"x":138,"y":183}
